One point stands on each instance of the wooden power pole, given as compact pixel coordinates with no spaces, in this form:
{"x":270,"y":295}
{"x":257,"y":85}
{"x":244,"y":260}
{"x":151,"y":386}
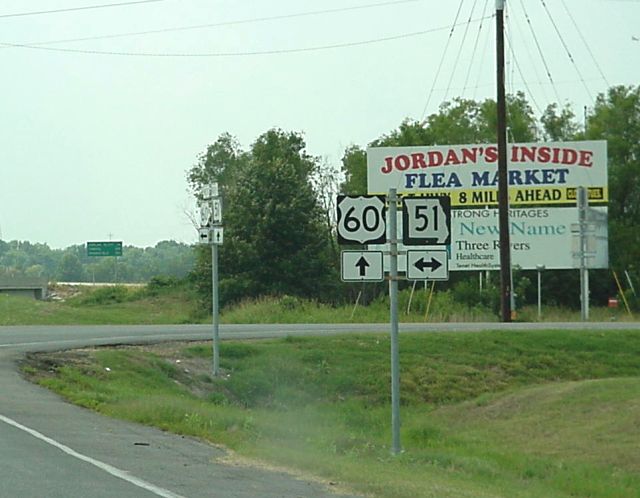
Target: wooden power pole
{"x":503,"y":180}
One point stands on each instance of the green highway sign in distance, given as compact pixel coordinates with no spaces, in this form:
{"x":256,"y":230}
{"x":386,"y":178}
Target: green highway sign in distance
{"x":104,"y":248}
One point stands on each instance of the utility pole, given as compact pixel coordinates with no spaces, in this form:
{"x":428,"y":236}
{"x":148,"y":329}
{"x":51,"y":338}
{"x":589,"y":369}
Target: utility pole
{"x":503,"y":181}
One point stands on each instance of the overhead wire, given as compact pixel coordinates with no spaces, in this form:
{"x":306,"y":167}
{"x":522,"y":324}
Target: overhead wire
{"x":220,"y":24}
{"x":75,"y":9}
{"x":444,"y":54}
{"x":475,"y":46}
{"x":566,"y":47}
{"x":540,"y":52}
{"x":228,"y":54}
{"x":508,"y":55}
{"x":457,"y":60}
{"x":510,"y":80}
{"x":532,"y":64}
{"x":593,"y":58}
{"x":485,"y":49}
{"x":524,"y":80}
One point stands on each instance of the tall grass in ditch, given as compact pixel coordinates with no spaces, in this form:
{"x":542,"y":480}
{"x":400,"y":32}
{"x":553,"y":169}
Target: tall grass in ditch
{"x":419,"y":306}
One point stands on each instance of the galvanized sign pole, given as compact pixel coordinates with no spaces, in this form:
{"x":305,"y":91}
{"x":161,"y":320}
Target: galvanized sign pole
{"x":214,"y":309}
{"x":583,"y":204}
{"x":396,"y":447}
{"x":211,"y":233}
{"x":361,"y":220}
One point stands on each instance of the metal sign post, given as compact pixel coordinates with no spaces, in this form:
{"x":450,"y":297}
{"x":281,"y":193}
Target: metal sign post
{"x":362,"y":220}
{"x":425,"y":220}
{"x":214,"y":309}
{"x":210,"y":232}
{"x":396,"y":447}
{"x":583,"y":204}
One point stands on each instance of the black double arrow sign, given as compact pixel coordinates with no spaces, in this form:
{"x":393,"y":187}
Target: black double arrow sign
{"x":421,"y":264}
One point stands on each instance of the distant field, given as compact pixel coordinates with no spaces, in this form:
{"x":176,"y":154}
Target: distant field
{"x":493,"y":414}
{"x":100,"y":306}
{"x":84,"y":305}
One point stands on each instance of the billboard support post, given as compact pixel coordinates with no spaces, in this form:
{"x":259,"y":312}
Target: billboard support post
{"x":540,"y":269}
{"x":583,"y":204}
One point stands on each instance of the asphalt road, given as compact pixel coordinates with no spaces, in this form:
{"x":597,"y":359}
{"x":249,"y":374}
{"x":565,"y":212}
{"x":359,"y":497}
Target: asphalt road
{"x":49,"y":448}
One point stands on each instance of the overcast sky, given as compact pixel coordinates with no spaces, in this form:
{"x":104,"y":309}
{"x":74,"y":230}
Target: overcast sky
{"x":95,"y":139}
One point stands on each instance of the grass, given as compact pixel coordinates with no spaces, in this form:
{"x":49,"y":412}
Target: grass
{"x":177,"y":303}
{"x":289,"y":309}
{"x":494,"y":414}
{"x":104,"y":306}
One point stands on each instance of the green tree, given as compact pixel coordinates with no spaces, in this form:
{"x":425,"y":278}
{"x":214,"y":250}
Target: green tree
{"x":276,"y":238}
{"x":354,"y":168}
{"x":35,"y":271}
{"x":220,"y":163}
{"x":616,"y":119}
{"x":277,"y":219}
{"x":70,"y":269}
{"x":560,"y":125}
{"x":460,"y":121}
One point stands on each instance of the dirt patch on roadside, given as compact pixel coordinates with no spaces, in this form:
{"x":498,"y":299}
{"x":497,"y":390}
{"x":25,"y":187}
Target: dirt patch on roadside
{"x":46,"y":365}
{"x":193,"y":373}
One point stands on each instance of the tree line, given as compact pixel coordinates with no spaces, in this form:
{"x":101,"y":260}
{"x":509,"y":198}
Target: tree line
{"x":34,"y":260}
{"x":279,"y":199}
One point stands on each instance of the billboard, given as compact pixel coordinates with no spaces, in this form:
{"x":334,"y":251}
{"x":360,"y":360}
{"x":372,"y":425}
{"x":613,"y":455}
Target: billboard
{"x":543,"y":181}
{"x":546,"y":236}
{"x":539,"y":173}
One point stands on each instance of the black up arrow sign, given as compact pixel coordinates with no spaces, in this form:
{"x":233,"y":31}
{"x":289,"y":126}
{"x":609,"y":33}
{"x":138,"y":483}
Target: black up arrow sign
{"x":362,"y":265}
{"x":421,"y":264}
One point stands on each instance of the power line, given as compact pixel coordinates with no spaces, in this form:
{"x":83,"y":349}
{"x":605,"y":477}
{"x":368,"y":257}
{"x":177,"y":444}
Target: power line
{"x":75,"y":9}
{"x":595,"y":61}
{"x":446,"y":47}
{"x":509,"y":55}
{"x":540,"y":52}
{"x":524,"y":80}
{"x":566,"y":47}
{"x":475,"y":46}
{"x":464,"y":38}
{"x":485,"y":50}
{"x":530,"y":57}
{"x":229,"y":54}
{"x":222,"y":23}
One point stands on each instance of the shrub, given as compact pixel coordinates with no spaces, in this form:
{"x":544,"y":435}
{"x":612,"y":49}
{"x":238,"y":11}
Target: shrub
{"x":106,"y":295}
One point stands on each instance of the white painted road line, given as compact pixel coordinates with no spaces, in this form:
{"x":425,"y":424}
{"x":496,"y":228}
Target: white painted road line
{"x":120,"y":474}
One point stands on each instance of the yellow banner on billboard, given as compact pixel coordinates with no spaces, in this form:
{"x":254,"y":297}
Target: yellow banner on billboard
{"x":521,"y":196}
